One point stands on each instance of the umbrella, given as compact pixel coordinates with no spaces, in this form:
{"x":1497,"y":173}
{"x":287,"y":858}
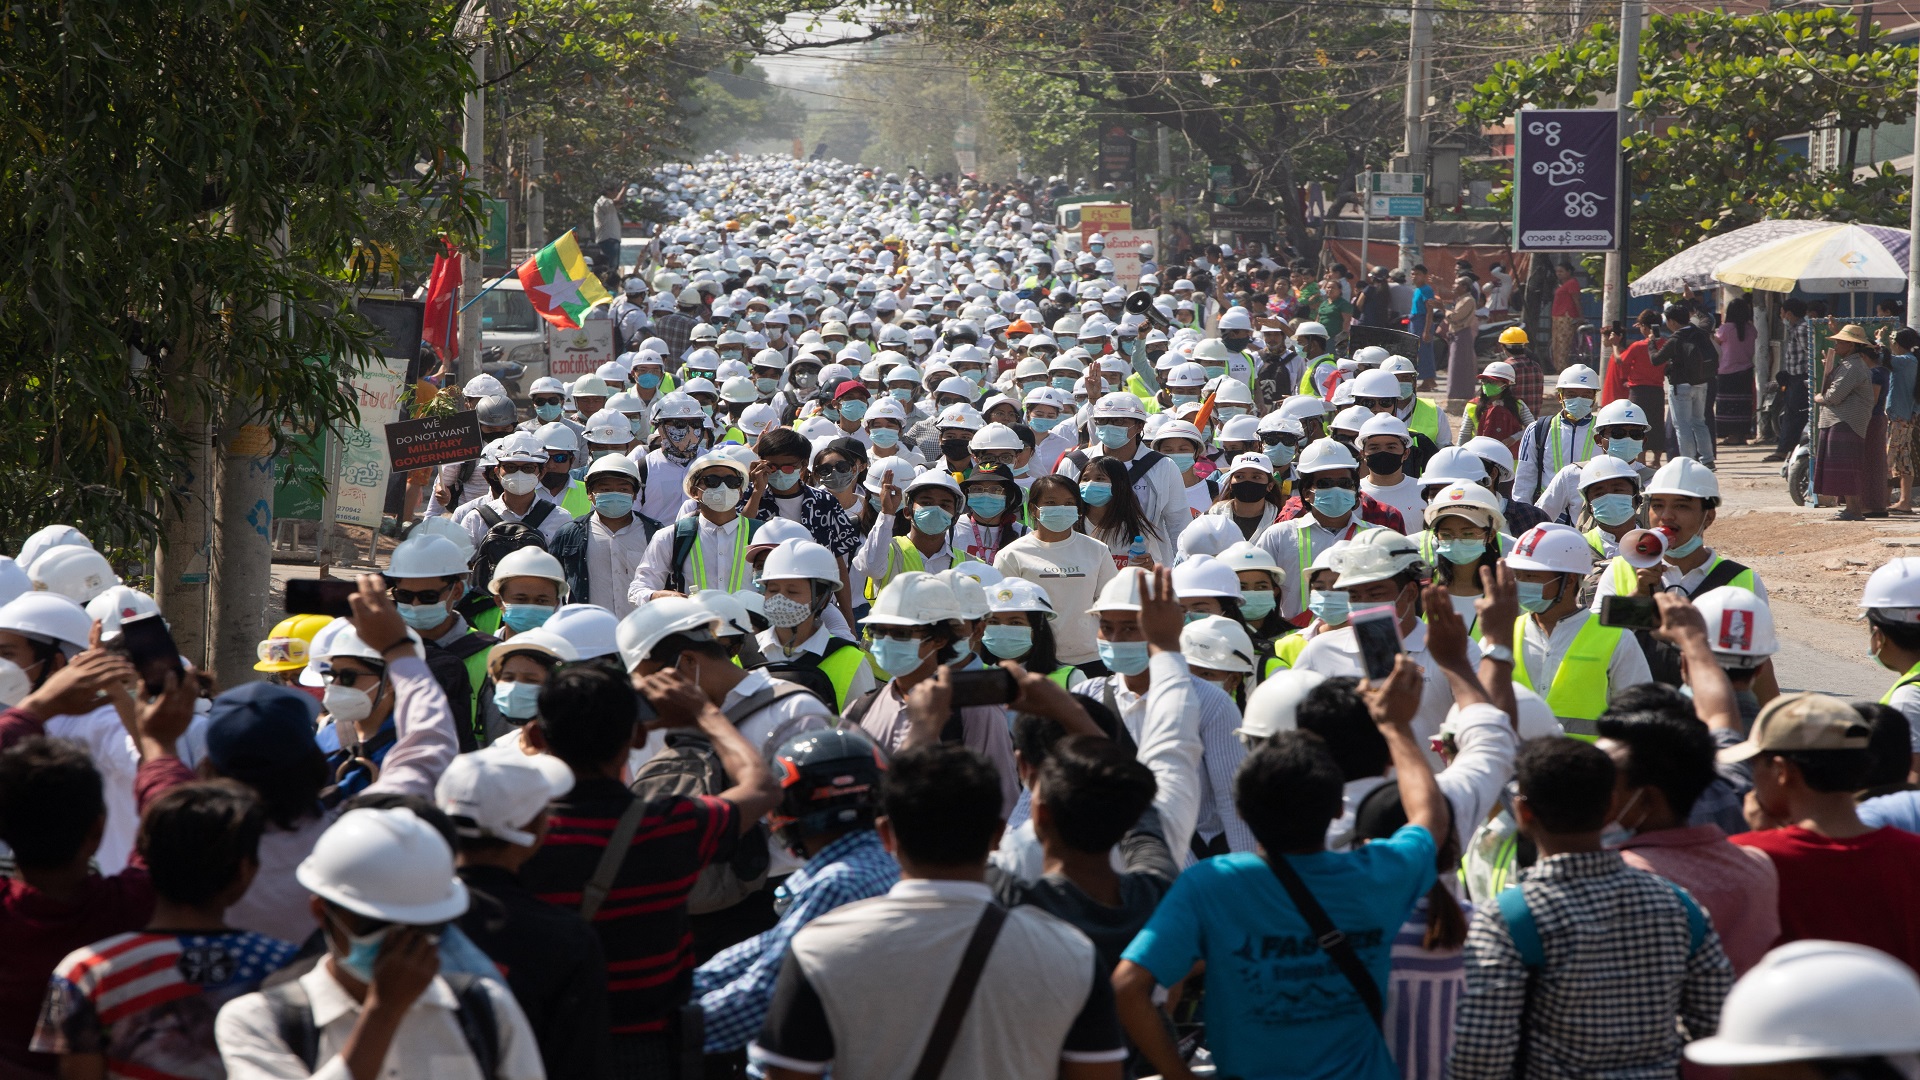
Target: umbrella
{"x":1696,"y":265}
{"x":1839,"y":258}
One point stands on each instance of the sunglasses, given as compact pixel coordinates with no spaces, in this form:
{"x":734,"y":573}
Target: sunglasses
{"x":522,"y":467}
{"x":560,"y":457}
{"x":1323,"y":485}
{"x":410,"y":596}
{"x":709,"y":483}
{"x":1621,"y":431}
{"x":349,"y":679}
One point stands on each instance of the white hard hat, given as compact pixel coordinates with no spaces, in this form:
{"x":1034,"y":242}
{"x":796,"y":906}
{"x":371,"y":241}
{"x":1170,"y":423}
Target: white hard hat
{"x":900,"y":471}
{"x":1176,"y":429}
{"x":996,"y":437}
{"x":914,"y":598}
{"x":77,"y":573}
{"x":1397,"y":364}
{"x":1351,"y":418}
{"x":677,"y":406}
{"x":45,"y":540}
{"x":609,"y":427}
{"x":1607,"y":467}
{"x":960,"y":416}
{"x":1739,"y":623}
{"x":1371,"y":356}
{"x":1121,"y":592}
{"x":619,"y":464}
{"x":1303,"y":407}
{"x":590,"y":629}
{"x":1376,"y":384}
{"x":1809,"y":1000}
{"x":739,"y":390}
{"x":541,"y":640}
{"x":1119,"y":405}
{"x":1577,"y":377}
{"x":1684,"y":476}
{"x":1204,"y":575}
{"x":530,"y":562}
{"x":729,"y":612}
{"x":13,"y":580}
{"x":646,"y":625}
{"x":1238,"y":429}
{"x":1274,"y":704}
{"x":1246,"y":555}
{"x":1500,"y":369}
{"x":1377,"y":555}
{"x":1894,"y":590}
{"x":1235,"y":318}
{"x":557,"y":436}
{"x":1621,"y":411}
{"x":1310,"y":329}
{"x":801,"y":560}
{"x":48,"y":617}
{"x":482,"y":386}
{"x":1469,"y":501}
{"x":1535,"y":719}
{"x":613,"y":372}
{"x":1211,"y":349}
{"x":501,"y":794}
{"x":1386,"y":424}
{"x":426,"y":555}
{"x":347,"y":641}
{"x":588,"y":386}
{"x":1217,"y":644}
{"x":1492,"y":451}
{"x":521,"y":447}
{"x":1018,"y":594}
{"x":1454,"y":465}
{"x":1555,"y":548}
{"x":1231,"y":391}
{"x":117,"y":605}
{"x":1325,"y":455}
{"x":317,"y":652}
{"x":387,"y":865}
{"x":969,"y":595}
{"x":1330,"y":558}
{"x":758,"y":417}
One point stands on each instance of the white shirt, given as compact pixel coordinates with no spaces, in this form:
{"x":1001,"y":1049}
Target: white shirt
{"x":612,"y":557}
{"x":1282,"y":541}
{"x":1162,"y":494}
{"x":1561,"y":500}
{"x":1071,"y":573}
{"x":1213,"y":719}
{"x":447,"y":476}
{"x":427,"y":1044}
{"x":111,"y":748}
{"x":899,"y":451}
{"x":1199,"y":501}
{"x":716,"y":552}
{"x":1403,"y":496}
{"x":1335,"y":653}
{"x":468,"y":516}
{"x":1569,"y":442}
{"x":871,"y":563}
{"x":1054,"y":443}
{"x":666,"y":481}
{"x":1542,"y":653}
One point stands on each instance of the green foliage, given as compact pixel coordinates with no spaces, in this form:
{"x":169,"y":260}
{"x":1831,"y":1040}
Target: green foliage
{"x":1717,"y":93}
{"x":726,"y":110}
{"x":150,"y":154}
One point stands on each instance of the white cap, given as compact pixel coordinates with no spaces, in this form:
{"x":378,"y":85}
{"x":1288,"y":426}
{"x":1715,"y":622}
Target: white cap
{"x":496,"y":796}
{"x":1253,"y":459}
{"x":1217,"y":644}
{"x":1684,"y":476}
{"x":1577,"y":377}
{"x":1325,"y":455}
{"x":1558,"y":549}
{"x":387,"y":865}
{"x":1812,"y":1000}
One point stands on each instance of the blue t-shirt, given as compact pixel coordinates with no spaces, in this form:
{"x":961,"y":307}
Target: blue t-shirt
{"x":1901,"y":809}
{"x":1276,"y":1006}
{"x":1422,"y":296}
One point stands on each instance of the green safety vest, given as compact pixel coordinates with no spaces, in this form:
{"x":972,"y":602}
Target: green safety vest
{"x":1910,"y":678}
{"x":1579,"y":692}
{"x":1306,"y":377}
{"x":1286,"y":652}
{"x":576,"y":501}
{"x":840,"y":666}
{"x":1061,"y":674}
{"x":911,"y":560}
{"x":477,"y":674}
{"x":1626,"y":581}
{"x":1304,"y":544}
{"x":1138,"y":388}
{"x":1424,"y":420}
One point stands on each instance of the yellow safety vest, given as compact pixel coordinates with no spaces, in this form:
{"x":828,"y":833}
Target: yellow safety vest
{"x":736,"y":578}
{"x":1626,"y":582}
{"x":911,"y":560}
{"x":576,"y":501}
{"x":1424,"y":420}
{"x":1911,"y":677}
{"x":1579,"y":692}
{"x":840,"y":666}
{"x":1307,"y":385}
{"x":1286,"y":652}
{"x":1061,"y":674}
{"x":1138,"y":388}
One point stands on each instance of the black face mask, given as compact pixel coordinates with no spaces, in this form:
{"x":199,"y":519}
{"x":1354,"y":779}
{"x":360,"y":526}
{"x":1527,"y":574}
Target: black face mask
{"x":1248,"y":490}
{"x":1384,"y":462}
{"x":955,"y":449}
{"x":1236,"y":342}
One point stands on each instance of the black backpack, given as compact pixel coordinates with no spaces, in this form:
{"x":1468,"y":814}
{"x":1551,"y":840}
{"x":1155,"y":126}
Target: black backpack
{"x":1137,"y":469}
{"x":293,"y":1015}
{"x":506,"y":537}
{"x":684,"y":532}
{"x":804,"y":670}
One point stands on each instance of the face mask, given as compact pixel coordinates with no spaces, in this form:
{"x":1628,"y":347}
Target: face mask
{"x":766,"y":386}
{"x":837,"y":481}
{"x":720,"y":500}
{"x":517,"y":700}
{"x":1097,"y":493}
{"x":347,"y":704}
{"x":1063,"y":382}
{"x":1007,"y":642}
{"x":1043,"y":424}
{"x":782,"y":480}
{"x":975,"y":377}
{"x":1330,"y":606}
{"x":1624,"y":449}
{"x":986,"y":506}
{"x":853,"y":409}
{"x":423,"y":616}
{"x":1334,"y":502}
{"x":862,"y":333}
{"x":1578,"y":408}
{"x":902,"y":393}
{"x":524,"y":617}
{"x":1183,"y":462}
{"x":804,"y":379}
{"x":1532,"y":594}
{"x":955,"y":449}
{"x":1461,"y":552}
{"x":785,"y":612}
{"x":1184,"y":399}
{"x":15,"y":685}
{"x":647,"y":380}
{"x":1111,"y":436}
{"x":920,"y":348}
{"x":1406,"y":391}
{"x":1681,"y":551}
{"x":1256,"y":605}
{"x":1214,"y":371}
{"x":932,"y":520}
{"x":1616,"y":834}
{"x":896,"y":658}
{"x":1228,"y":412}
{"x":1612,"y":509}
{"x":1281,"y":456}
{"x":362,"y":950}
{"x":548,"y":413}
{"x":519,"y":483}
{"x":1057,"y":518}
{"x":1124,"y":657}
{"x":613,"y":504}
{"x":1248,"y":490}
{"x":1384,"y":463}
{"x":883,"y":437}
{"x":1491,"y":389}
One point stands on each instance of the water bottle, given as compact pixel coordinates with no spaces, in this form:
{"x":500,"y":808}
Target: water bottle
{"x":1138,"y":548}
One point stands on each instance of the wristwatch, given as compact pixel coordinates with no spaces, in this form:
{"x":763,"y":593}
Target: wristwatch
{"x":1499,"y":653}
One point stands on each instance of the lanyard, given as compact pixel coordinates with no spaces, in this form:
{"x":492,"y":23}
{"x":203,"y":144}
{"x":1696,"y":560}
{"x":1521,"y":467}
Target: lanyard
{"x":739,"y":562}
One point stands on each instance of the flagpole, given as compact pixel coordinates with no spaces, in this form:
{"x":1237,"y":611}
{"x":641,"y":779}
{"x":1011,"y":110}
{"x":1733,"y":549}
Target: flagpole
{"x":490,"y":287}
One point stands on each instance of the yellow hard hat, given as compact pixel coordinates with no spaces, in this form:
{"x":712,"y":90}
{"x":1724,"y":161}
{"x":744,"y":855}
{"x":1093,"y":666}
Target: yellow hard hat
{"x":286,"y":647}
{"x":1513,"y":335}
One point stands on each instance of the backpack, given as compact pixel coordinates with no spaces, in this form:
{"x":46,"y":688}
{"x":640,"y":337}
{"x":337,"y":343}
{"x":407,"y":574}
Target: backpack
{"x":1663,"y":660}
{"x":506,"y":537}
{"x":293,"y":1015}
{"x":684,"y":532}
{"x":804,"y":670}
{"x":1137,"y":469}
{"x":689,"y":766}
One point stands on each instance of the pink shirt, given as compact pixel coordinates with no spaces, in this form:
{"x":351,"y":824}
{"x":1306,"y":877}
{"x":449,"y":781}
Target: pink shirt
{"x":1741,"y":892}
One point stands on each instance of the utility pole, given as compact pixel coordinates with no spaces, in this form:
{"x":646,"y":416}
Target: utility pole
{"x":1413,"y":230}
{"x":474,"y":145}
{"x":536,"y":191}
{"x":1613,"y":291}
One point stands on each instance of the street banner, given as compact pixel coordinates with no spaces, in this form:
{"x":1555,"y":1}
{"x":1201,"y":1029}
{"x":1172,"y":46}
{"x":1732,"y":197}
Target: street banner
{"x":580,"y":351}
{"x":360,"y":490}
{"x":1123,"y":247}
{"x":1103,"y":218}
{"x":1566,"y":180}
{"x":434,"y":440}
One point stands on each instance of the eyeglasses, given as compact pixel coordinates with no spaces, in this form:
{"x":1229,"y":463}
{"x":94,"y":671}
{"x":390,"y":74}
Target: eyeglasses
{"x":521,"y":467}
{"x":709,"y":483}
{"x":895,"y":633}
{"x":1621,"y":431}
{"x":560,"y":457}
{"x":349,"y":679}
{"x":993,"y":458}
{"x":1376,"y":403}
{"x":1341,"y":482}
{"x":421,"y":596}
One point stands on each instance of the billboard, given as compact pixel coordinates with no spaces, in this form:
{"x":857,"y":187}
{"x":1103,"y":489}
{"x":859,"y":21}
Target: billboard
{"x":1123,"y":247}
{"x":1566,"y":180}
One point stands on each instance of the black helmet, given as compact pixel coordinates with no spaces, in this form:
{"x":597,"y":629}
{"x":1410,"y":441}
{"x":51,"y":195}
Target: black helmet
{"x":828,"y":780}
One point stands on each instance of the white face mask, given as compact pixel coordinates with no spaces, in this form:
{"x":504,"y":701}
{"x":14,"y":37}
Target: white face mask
{"x":720,"y":499}
{"x":519,"y":483}
{"x":347,"y":704}
{"x":14,"y":683}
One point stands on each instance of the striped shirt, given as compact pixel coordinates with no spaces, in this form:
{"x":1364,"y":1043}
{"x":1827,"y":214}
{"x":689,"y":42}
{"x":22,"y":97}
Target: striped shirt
{"x":147,"y":1001}
{"x":1423,"y":991}
{"x":643,"y":923}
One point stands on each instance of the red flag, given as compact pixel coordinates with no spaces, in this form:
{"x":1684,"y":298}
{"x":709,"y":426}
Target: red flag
{"x":442,"y":324}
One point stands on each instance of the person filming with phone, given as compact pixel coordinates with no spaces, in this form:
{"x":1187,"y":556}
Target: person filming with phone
{"x":1562,"y":651}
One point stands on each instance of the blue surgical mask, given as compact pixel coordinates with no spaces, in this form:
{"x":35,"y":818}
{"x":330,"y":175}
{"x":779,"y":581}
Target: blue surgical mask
{"x":1184,"y":399}
{"x":1461,"y":552}
{"x":613,"y":504}
{"x":1280,"y":455}
{"x":1096,"y":493}
{"x":853,"y":409}
{"x":1063,"y":382}
{"x":1007,"y":642}
{"x":977,"y":377}
{"x":1214,"y":371}
{"x":986,"y":506}
{"x":1181,"y":461}
{"x":524,"y":617}
{"x":423,"y":616}
{"x":1057,"y":518}
{"x":362,"y":950}
{"x":766,"y":386}
{"x":1681,"y":551}
{"x":548,"y":413}
{"x":932,"y":520}
{"x":896,"y":658}
{"x":1124,"y":657}
{"x":782,"y":480}
{"x":1578,"y":408}
{"x":517,"y":700}
{"x":1256,"y":605}
{"x":1330,"y":606}
{"x":1532,"y":595}
{"x":902,"y":393}
{"x":1613,"y":509}
{"x":1334,"y":502}
{"x":1111,"y":436}
{"x":1625,"y":449}
{"x":1041,"y":425}
{"x":647,"y":380}
{"x":883,"y":437}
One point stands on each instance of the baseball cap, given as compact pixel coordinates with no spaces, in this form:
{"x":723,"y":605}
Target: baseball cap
{"x":496,"y":794}
{"x":260,"y":726}
{"x":1805,"y":721}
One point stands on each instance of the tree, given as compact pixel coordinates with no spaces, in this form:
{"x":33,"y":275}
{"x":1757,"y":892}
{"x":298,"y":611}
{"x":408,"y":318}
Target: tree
{"x":1717,"y":95}
{"x":727,"y":110}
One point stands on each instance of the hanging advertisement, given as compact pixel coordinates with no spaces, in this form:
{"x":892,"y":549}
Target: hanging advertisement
{"x":1566,"y":180}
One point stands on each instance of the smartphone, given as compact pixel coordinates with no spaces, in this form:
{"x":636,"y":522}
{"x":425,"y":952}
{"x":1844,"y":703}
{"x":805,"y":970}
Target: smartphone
{"x":988,"y":686}
{"x":320,"y":596}
{"x":150,"y":646}
{"x":1377,"y":630}
{"x":1629,"y":612}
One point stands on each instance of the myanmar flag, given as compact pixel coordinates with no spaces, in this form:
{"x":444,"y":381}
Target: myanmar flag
{"x":559,"y":285}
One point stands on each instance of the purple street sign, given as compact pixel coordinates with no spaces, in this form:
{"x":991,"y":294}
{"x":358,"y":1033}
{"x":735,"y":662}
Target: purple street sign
{"x":1566,"y":179}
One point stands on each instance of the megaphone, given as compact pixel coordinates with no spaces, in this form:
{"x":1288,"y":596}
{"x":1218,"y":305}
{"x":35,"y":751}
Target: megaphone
{"x":1645,"y":548}
{"x":1140,"y":302}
